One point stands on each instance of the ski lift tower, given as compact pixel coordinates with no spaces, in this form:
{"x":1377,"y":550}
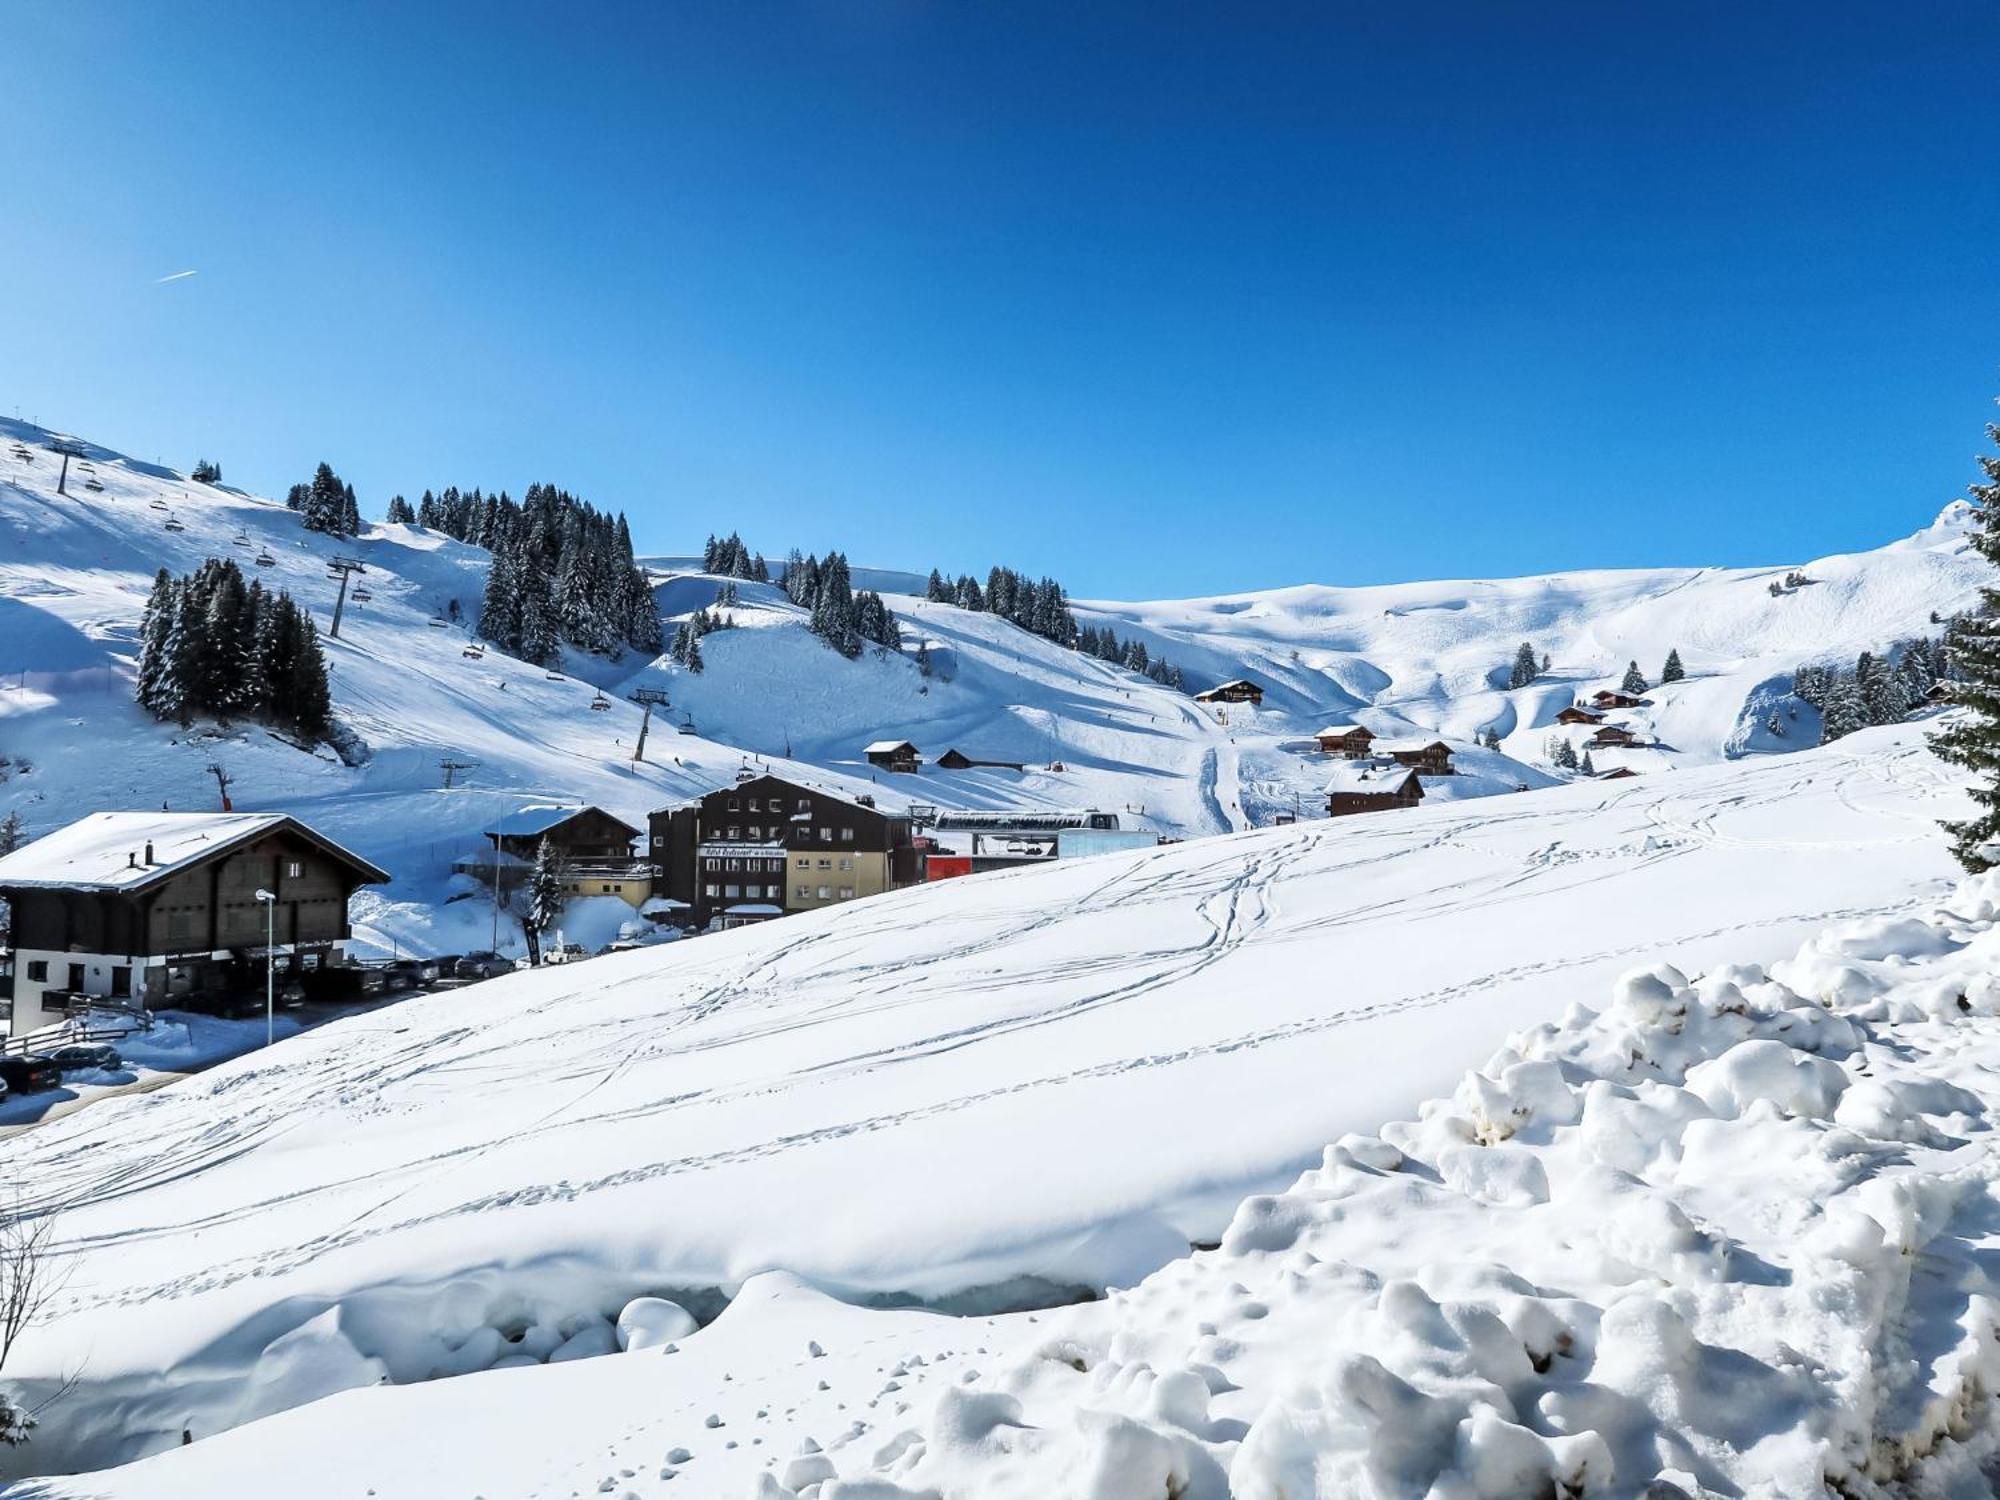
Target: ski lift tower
{"x":69,"y":448}
{"x":451,"y":768}
{"x":342,"y":568}
{"x":648,"y":699}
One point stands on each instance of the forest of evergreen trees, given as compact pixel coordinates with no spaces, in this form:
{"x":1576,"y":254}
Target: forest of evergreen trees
{"x":326,"y":503}
{"x":1880,"y":688}
{"x":562,"y":570}
{"x":1042,"y":608}
{"x":845,"y":619}
{"x":212,"y":645}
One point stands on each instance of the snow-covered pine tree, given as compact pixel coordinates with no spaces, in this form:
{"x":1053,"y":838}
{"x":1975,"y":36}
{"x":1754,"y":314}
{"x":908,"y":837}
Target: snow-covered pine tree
{"x":1882,"y":691}
{"x":1971,"y":737}
{"x":500,"y":605}
{"x":1634,"y":680}
{"x":156,"y":624}
{"x":12,"y":835}
{"x":399,"y":512}
{"x":935,"y":591}
{"x":1526,"y":668}
{"x":542,"y":898}
{"x":325,"y":503}
{"x":1841,"y":709}
{"x":710,"y":551}
{"x":350,"y":512}
{"x":1587,"y":766}
{"x":1565,"y":756}
{"x":1673,"y":671}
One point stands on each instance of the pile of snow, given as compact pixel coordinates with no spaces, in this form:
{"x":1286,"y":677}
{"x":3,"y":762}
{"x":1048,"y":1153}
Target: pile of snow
{"x":975,"y":1095}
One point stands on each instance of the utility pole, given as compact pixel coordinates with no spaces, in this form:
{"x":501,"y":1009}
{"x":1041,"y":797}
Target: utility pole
{"x":69,"y":448}
{"x":452,"y":767}
{"x":649,"y":699}
{"x":223,"y":781}
{"x":342,"y":568}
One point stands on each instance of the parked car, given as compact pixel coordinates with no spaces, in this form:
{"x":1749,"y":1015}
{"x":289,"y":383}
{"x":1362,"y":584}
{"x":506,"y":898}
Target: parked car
{"x":77,"y":1057}
{"x":29,"y":1071}
{"x":564,"y":953}
{"x":482,"y":966}
{"x":441,"y":967}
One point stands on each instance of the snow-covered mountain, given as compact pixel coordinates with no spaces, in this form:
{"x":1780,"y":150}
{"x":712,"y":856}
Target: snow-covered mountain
{"x":1403,"y":659}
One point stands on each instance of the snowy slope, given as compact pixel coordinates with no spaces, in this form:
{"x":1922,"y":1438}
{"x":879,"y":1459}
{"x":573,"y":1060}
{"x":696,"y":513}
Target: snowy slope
{"x":1727,"y":1234}
{"x":986,"y":1090}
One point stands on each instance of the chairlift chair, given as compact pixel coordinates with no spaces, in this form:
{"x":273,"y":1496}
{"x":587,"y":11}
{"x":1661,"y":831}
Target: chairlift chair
{"x":475,"y":651}
{"x":173,"y":523}
{"x":362,"y":596}
{"x":92,"y":484}
{"x":265,"y":560}
{"x":687,"y":725}
{"x":599,"y":704}
{"x":439,"y":622}
{"x":554,"y":676}
{"x":159,"y":504}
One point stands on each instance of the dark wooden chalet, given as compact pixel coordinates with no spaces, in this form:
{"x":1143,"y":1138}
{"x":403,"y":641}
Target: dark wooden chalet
{"x":1349,"y":741}
{"x":1361,"y":787}
{"x":583,"y":835}
{"x":958,"y":760}
{"x":1610,"y":698}
{"x":1241,"y":690}
{"x":1431,"y":757}
{"x":1614,"y":735}
{"x":140,"y":907}
{"x":1577,"y":714}
{"x":894,"y":755}
{"x":1618,"y":773}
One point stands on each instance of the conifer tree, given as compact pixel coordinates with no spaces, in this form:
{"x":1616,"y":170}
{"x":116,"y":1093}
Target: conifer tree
{"x":1971,"y":739}
{"x":1673,"y":671}
{"x":400,"y":512}
{"x":543,"y":898}
{"x":1841,"y":710}
{"x":155,"y":625}
{"x":1634,"y":680}
{"x":11,"y":834}
{"x":1587,"y":766}
{"x":1525,"y":669}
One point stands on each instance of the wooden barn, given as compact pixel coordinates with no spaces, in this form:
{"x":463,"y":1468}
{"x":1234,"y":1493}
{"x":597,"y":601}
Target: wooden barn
{"x":582,"y":834}
{"x":1618,"y":773}
{"x":1430,"y":757}
{"x":1608,"y":698}
{"x":1614,"y":735}
{"x":1576,"y":713}
{"x":1360,"y":787}
{"x":1241,"y":690}
{"x":1349,"y":741}
{"x":894,"y":755}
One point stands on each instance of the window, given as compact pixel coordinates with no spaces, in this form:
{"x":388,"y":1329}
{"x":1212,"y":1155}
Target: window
{"x":805,"y":805}
{"x":710,"y":891}
{"x":826,"y":893}
{"x":805,"y":864}
{"x":756,"y":834}
{"x":293,"y":869}
{"x":847,"y":864}
{"x":847,"y":835}
{"x":736,"y":833}
{"x":732,"y":891}
{"x":802,"y":891}
{"x":607,"y":890}
{"x":826,"y":864}
{"x":826,"y":835}
{"x":847,"y":893}
{"x":735,"y":864}
{"x":38,"y":968}
{"x":732,"y":805}
{"x":658,"y":842}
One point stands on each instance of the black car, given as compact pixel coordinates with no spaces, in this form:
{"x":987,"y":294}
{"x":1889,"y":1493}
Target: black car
{"x":25,"y":1072}
{"x":79,"y":1056}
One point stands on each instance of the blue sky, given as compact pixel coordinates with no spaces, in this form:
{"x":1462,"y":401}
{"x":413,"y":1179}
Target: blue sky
{"x":1160,"y":298}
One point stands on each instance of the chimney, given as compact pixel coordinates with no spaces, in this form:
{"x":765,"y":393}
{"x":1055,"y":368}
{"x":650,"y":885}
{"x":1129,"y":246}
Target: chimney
{"x":132,"y":859}
{"x":149,"y":851}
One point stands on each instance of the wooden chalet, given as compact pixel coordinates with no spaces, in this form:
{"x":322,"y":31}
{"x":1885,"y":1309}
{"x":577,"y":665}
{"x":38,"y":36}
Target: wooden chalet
{"x":1618,"y":773}
{"x":894,"y":755}
{"x":1361,"y":787}
{"x":1348,"y":741}
{"x":583,"y":835}
{"x":1241,"y":690}
{"x":1610,"y":698}
{"x":1430,"y":757}
{"x":958,"y":760}
{"x":135,"y":909}
{"x":1613,"y":735}
{"x":1576,"y":713}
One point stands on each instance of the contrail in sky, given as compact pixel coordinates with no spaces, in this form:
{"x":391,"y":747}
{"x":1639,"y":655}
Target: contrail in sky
{"x":177,"y":276}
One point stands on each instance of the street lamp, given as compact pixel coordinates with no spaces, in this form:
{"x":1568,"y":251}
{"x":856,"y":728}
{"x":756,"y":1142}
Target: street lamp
{"x":270,"y":964}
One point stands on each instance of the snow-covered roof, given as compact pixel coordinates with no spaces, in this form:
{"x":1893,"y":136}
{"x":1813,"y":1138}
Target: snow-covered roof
{"x":1390,"y":747}
{"x":107,"y":851}
{"x":661,"y":903}
{"x":883,"y":747}
{"x":754,"y":909}
{"x":1336,"y":731}
{"x":536,"y":817}
{"x":1362,"y":776}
